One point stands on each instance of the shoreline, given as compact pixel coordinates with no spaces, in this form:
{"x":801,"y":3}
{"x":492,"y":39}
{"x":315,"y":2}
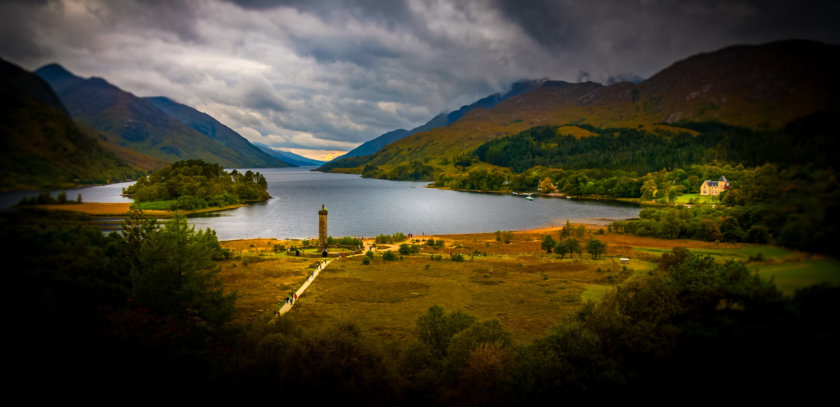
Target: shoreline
{"x":558,"y":195}
{"x":102,"y":209}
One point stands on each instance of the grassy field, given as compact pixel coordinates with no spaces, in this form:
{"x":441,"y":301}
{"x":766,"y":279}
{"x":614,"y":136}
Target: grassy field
{"x":742,"y":253}
{"x":792,"y":276}
{"x":122,"y":209}
{"x":261,"y":277}
{"x":517,"y":283}
{"x":697,"y":198}
{"x":156,"y":205}
{"x":527,"y":294}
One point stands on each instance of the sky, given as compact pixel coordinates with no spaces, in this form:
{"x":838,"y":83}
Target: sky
{"x":318,"y":77}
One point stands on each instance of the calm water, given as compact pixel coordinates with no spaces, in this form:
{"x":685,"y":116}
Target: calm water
{"x":367,"y":207}
{"x":103,"y":193}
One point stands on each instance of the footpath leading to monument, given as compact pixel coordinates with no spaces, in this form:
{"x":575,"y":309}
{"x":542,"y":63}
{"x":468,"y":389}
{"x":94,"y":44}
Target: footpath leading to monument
{"x":288,"y":306}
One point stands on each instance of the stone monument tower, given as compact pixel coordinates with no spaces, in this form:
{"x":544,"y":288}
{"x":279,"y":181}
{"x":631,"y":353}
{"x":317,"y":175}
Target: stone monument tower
{"x":322,"y":229}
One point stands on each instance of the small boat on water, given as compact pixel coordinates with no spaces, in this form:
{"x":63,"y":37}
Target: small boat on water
{"x":529,"y":198}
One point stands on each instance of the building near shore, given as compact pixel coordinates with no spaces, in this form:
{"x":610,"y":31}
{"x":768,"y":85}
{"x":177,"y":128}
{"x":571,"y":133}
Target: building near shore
{"x":714,"y":187}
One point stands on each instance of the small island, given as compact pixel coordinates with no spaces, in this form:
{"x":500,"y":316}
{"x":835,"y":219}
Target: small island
{"x":195,"y":185}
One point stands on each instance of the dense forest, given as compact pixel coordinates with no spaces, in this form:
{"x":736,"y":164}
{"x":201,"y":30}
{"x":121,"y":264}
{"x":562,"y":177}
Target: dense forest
{"x":804,"y":140}
{"x":195,"y":184}
{"x":142,"y":309}
{"x":783,"y":184}
{"x":793,"y":206}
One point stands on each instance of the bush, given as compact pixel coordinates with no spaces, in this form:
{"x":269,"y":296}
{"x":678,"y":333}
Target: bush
{"x":406,"y":249}
{"x":507,"y":236}
{"x":395,"y":238}
{"x":548,"y":243}
{"x":389,"y":256}
{"x":366,"y":260}
{"x":457,"y":257}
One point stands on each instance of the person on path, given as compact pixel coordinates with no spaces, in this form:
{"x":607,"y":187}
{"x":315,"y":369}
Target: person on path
{"x":295,"y":295}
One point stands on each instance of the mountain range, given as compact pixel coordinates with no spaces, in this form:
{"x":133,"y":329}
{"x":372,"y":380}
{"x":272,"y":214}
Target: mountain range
{"x":41,"y":145}
{"x":443,"y":119}
{"x":760,"y":87}
{"x":291,"y":158}
{"x":157,"y":127}
{"x":58,"y":128}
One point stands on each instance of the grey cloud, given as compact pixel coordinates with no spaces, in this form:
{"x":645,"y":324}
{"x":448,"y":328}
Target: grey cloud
{"x":643,"y":36}
{"x":320,"y":73}
{"x":261,"y":98}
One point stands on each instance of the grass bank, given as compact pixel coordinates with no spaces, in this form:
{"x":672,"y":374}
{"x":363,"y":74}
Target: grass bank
{"x":525,"y":288}
{"x":122,"y":209}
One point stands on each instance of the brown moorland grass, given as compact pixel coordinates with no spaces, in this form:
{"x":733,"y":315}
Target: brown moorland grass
{"x":528,"y":293}
{"x":122,"y":209}
{"x":261,"y":278}
{"x":525,"y":288}
{"x":517,"y":283}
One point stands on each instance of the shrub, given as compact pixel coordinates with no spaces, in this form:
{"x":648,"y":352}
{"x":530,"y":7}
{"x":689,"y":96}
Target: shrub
{"x":406,"y":249}
{"x":548,"y":243}
{"x":389,"y":256}
{"x":457,"y":257}
{"x":507,"y":236}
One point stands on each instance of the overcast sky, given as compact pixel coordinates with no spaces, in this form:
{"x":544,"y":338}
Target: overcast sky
{"x":321,"y":77}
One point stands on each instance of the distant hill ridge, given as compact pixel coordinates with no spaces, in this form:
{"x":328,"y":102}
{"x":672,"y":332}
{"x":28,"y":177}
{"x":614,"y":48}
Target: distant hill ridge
{"x":289,"y":157}
{"x":443,"y":119}
{"x":210,"y":127}
{"x":760,"y":87}
{"x":157,"y":127}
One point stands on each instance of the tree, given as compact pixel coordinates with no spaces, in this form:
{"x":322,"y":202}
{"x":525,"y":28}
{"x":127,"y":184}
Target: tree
{"x":172,"y":269}
{"x":566,"y":231}
{"x":731,"y":230}
{"x":596,"y":248}
{"x":546,"y":186}
{"x":648,"y":190}
{"x":548,"y":243}
{"x":573,"y":246}
{"x":561,"y":249}
{"x":435,"y":330}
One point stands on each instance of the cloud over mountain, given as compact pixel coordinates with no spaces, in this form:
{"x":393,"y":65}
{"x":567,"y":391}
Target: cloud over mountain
{"x":327,"y":75}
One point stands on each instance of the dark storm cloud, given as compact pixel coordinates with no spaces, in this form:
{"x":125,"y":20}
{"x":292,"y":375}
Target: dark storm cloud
{"x":647,"y":35}
{"x":330,"y":75}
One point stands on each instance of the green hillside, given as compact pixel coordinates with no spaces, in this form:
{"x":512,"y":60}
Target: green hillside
{"x":40,"y":144}
{"x":137,"y":124}
{"x":760,"y":89}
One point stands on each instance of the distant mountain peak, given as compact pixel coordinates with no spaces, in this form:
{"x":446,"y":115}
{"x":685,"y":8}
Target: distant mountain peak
{"x":54,"y":69}
{"x":57,"y":76}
